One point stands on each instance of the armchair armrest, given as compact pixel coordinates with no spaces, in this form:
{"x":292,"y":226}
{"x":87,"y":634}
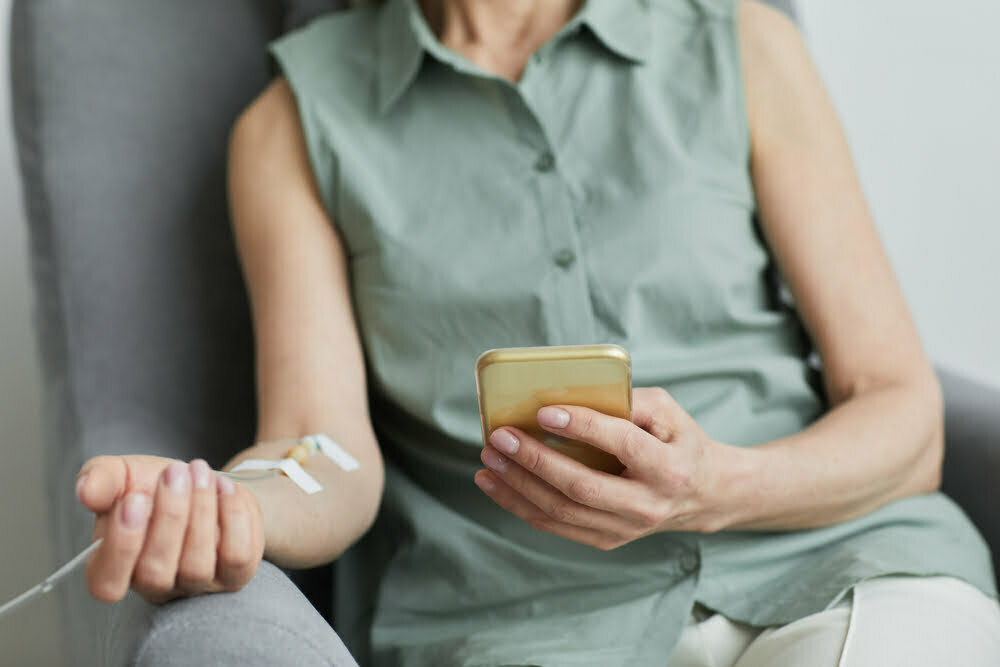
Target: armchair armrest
{"x":269,"y":622}
{"x":972,"y":454}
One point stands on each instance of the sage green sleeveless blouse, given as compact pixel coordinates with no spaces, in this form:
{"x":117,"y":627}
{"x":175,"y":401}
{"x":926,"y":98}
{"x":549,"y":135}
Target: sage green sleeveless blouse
{"x":605,"y":198}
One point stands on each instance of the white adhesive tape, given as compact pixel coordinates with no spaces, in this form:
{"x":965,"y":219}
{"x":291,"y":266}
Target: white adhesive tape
{"x":335,"y":452}
{"x":292,"y":469}
{"x":295,"y":473}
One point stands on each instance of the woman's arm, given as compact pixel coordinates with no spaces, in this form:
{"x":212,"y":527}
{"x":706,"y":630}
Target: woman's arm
{"x":172,"y":529}
{"x":882,"y":439}
{"x":310,"y":368}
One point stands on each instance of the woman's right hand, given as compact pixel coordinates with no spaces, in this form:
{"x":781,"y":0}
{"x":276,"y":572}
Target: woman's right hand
{"x":170,"y":529}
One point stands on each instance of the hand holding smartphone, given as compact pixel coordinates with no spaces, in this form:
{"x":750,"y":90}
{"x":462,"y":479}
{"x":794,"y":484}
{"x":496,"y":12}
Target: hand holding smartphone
{"x":514,"y":383}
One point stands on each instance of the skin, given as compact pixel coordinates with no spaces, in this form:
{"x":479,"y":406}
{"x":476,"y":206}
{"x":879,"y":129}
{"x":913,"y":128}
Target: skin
{"x":498,"y":35}
{"x":167,"y":536}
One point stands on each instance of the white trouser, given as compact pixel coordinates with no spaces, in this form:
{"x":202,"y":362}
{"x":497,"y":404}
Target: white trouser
{"x":888,"y":622}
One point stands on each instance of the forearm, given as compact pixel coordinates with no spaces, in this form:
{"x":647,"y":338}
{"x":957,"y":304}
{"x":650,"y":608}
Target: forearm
{"x":310,"y":365}
{"x":303,"y":530}
{"x":873,"y":448}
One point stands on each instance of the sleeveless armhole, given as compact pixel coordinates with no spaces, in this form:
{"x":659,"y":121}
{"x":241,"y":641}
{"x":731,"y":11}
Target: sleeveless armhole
{"x":297,"y":59}
{"x":741,"y":103}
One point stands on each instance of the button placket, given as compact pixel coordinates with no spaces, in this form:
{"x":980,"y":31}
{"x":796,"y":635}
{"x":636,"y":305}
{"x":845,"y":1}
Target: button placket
{"x":570,"y":316}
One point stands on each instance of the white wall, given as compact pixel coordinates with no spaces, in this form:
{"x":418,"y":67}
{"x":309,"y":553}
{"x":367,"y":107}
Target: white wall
{"x":918,"y":84}
{"x":29,"y":637}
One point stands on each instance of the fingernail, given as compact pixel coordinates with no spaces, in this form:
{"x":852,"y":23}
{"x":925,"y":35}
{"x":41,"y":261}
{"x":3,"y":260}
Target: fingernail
{"x":494,"y":461}
{"x":554,"y":417}
{"x":201,"y":473}
{"x":80,"y":483}
{"x":177,"y":477}
{"x":135,"y":511}
{"x":505,"y":442}
{"x":485,"y":483}
{"x":226,"y":486}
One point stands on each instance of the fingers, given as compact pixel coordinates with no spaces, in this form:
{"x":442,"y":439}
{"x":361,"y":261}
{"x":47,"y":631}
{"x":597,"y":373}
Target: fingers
{"x":632,"y":445}
{"x":174,"y":529}
{"x":109,"y":572}
{"x":196,"y":568}
{"x":497,"y":488}
{"x":663,"y":451}
{"x":546,"y":504}
{"x":101,"y":482}
{"x":240,"y":541}
{"x":155,"y":572}
{"x":559,"y":486}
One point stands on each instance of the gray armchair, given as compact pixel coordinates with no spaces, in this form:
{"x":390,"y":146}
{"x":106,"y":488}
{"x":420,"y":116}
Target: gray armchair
{"x":122,"y":111}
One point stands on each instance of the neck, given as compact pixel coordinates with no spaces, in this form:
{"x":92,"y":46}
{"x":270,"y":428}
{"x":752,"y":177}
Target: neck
{"x":497,"y":35}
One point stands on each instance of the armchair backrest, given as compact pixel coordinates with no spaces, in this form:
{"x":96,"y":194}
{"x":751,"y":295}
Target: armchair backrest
{"x":122,"y":112}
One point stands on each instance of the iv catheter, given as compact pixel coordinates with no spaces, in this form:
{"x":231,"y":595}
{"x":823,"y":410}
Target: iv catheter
{"x":246,"y":471}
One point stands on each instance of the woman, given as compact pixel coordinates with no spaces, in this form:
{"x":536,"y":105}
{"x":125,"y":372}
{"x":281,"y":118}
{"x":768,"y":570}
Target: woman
{"x":429,"y":180}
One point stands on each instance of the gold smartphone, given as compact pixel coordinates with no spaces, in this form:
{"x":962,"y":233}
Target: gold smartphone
{"x":513,"y":383}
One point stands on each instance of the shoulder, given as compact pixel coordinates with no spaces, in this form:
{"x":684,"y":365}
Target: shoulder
{"x":333,"y":33}
{"x":785,"y":94}
{"x":270,"y":117}
{"x":770,"y":42}
{"x":337,"y":49}
{"x":754,"y":18}
{"x":267,"y":143}
{"x":692,"y":11}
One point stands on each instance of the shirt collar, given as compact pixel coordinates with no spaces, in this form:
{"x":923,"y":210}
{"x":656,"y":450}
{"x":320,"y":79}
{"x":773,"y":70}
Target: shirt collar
{"x":404,"y":39}
{"x":400,"y":49}
{"x":621,"y":25}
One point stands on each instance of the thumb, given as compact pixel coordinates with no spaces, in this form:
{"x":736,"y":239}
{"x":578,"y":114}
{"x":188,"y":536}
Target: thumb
{"x":100,"y":482}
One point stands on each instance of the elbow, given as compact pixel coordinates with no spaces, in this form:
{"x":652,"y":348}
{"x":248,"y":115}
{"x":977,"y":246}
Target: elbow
{"x":373,"y":499}
{"x":930,"y":414}
{"x":916,"y":405}
{"x":933,"y":465}
{"x":365,"y":511}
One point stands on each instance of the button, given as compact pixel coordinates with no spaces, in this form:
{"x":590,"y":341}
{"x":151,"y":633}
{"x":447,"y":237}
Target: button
{"x":689,"y":561}
{"x":545,"y":162}
{"x":564,"y":257}
{"x":537,"y":58}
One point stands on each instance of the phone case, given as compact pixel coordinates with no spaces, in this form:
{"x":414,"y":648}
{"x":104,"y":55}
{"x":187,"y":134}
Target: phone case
{"x":513,"y":383}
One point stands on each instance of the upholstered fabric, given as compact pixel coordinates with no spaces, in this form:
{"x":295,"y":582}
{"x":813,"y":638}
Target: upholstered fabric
{"x":972,"y":453}
{"x":122,"y":112}
{"x":268,"y":622}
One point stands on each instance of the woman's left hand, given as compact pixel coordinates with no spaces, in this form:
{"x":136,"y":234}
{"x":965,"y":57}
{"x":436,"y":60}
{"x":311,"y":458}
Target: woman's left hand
{"x":671,"y":479}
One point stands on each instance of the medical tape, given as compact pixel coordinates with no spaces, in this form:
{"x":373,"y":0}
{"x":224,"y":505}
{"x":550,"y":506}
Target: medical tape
{"x":290,"y":466}
{"x":292,"y":469}
{"x":334,"y":452}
